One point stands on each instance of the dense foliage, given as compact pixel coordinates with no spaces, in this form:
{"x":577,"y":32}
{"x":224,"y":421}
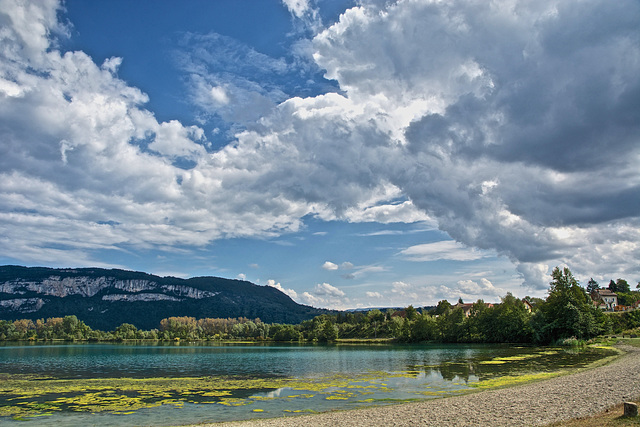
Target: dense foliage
{"x":567,"y":312}
{"x":173,"y":328}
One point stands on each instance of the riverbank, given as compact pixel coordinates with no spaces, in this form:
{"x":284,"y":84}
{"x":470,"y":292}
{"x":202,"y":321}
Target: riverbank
{"x":567,"y":397}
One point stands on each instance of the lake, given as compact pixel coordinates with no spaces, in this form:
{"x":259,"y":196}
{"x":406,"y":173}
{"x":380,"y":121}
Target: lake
{"x":172,"y":384}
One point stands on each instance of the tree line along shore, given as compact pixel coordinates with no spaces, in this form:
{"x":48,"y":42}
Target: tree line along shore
{"x":567,"y":315}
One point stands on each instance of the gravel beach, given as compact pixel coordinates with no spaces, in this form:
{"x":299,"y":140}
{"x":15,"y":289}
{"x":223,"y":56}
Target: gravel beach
{"x":572,"y":396}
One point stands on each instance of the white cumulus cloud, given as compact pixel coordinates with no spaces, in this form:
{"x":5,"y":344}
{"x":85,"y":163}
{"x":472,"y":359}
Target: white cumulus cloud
{"x":327,"y":296}
{"x":471,"y":290}
{"x":328,"y":265}
{"x":329,"y":290}
{"x":290,"y":292}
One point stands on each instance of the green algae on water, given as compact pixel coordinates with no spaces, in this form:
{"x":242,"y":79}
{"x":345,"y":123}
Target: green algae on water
{"x":509,"y":380}
{"x":29,"y":396}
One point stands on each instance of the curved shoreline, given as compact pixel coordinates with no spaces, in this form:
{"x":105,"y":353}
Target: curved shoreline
{"x":540,"y":403}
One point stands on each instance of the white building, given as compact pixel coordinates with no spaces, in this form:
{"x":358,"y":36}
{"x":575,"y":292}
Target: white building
{"x":605,"y":299}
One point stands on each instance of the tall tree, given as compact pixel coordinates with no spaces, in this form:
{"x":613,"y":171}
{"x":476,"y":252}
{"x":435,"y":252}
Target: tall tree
{"x":329,"y":332}
{"x":442,"y":307}
{"x":452,"y":325}
{"x":508,"y":321}
{"x":478,"y":321}
{"x":424,"y":328}
{"x":622,"y":286}
{"x":375,"y":318}
{"x":567,"y":312}
{"x":592,"y":286}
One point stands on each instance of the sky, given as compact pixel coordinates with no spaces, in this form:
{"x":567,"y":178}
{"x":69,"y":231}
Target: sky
{"x":351,"y":153}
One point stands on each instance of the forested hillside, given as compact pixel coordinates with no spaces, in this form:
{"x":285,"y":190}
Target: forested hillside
{"x":105,"y":299}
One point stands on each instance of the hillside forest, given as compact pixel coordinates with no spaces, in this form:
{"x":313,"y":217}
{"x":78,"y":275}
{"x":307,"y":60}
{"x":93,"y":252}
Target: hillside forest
{"x":566,"y":314}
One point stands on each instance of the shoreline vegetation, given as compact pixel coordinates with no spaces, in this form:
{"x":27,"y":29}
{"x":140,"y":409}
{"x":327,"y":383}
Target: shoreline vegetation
{"x":566,"y":317}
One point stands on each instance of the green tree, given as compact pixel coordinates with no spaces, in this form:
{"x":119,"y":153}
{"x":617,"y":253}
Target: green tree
{"x":411,"y":312}
{"x":8,"y":331}
{"x":73,"y":329}
{"x":25,"y":328}
{"x":478,"y":317}
{"x":180,"y":327}
{"x":622,"y":286}
{"x":126,"y":331}
{"x":424,"y":328}
{"x":375,"y":318}
{"x":69,"y":324}
{"x":395,"y":326}
{"x":329,"y":332}
{"x":613,"y":287}
{"x":285,"y":333}
{"x":442,"y":307}
{"x":592,"y":286}
{"x":507,"y":322}
{"x":452,"y":325}
{"x":567,"y":312}
{"x":626,"y":298}
{"x":406,"y":331}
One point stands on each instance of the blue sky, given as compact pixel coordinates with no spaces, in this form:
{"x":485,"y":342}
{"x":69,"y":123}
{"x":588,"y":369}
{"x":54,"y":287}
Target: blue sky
{"x":352,"y":154}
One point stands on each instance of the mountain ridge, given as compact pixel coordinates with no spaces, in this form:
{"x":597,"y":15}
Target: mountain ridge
{"x":106,"y":298}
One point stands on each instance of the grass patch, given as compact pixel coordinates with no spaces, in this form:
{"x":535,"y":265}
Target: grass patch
{"x":635,"y":342}
{"x":612,"y":417}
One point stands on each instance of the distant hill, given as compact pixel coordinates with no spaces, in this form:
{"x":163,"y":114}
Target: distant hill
{"x":104,"y":299}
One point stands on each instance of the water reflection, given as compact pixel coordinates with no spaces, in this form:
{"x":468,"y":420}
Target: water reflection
{"x":452,"y":362}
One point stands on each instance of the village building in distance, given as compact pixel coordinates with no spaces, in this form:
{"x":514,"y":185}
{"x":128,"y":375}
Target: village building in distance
{"x":605,"y":299}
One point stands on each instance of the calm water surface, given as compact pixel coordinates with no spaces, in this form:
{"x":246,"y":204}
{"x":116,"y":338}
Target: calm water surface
{"x":337,"y":377}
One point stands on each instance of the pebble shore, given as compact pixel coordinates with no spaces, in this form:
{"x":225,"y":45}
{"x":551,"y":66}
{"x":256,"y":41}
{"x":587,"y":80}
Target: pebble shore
{"x":540,"y":403}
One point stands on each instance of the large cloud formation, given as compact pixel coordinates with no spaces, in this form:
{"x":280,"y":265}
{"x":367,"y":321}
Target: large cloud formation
{"x":513,"y":124}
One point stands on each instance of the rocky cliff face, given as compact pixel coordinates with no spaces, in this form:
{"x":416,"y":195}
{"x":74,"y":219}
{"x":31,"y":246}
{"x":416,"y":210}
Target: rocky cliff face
{"x":104,"y":299}
{"x":85,"y":286}
{"x":140,"y":297}
{"x":22,"y":305}
{"x":61,"y":287}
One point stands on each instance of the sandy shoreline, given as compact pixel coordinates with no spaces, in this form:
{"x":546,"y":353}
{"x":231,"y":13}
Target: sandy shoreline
{"x":573,"y":396}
